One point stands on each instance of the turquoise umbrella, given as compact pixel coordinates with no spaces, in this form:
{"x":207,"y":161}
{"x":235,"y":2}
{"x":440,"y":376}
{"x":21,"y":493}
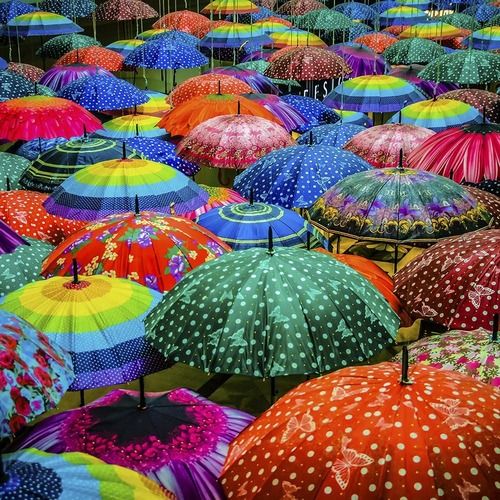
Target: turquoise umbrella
{"x":12,"y":168}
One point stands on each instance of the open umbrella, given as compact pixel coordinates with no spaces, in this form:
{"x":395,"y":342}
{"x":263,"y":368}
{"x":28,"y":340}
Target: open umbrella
{"x":354,"y":117}
{"x":454,"y":283}
{"x":30,"y":72}
{"x":413,"y":51}
{"x":177,"y":438}
{"x":218,"y":197}
{"x":156,"y":105}
{"x":151,"y":249}
{"x":31,"y":149}
{"x":489,"y":200}
{"x":124,"y":10}
{"x":13,"y":8}
{"x":323,"y":20}
{"x":186,"y":21}
{"x":267,"y":313}
{"x":13,"y":85}
{"x":99,"y":56}
{"x":314,"y":111}
{"x":133,"y":125}
{"x":483,"y":12}
{"x":336,"y":134}
{"x":488,"y":103}
{"x":297,"y":176}
{"x":378,"y":42}
{"x":230,"y":7}
{"x":428,"y":88}
{"x":57,"y":46}
{"x":39,"y":23}
{"x":356,"y":10}
{"x":11,"y":168}
{"x":432,"y":30}
{"x":300,"y":7}
{"x":257,"y":81}
{"x":234,"y":35}
{"x":398,"y":205}
{"x":58,"y":77}
{"x":402,"y":16}
{"x":362,"y":60}
{"x":294,"y":37}
{"x":485,"y":39}
{"x":125,"y":47}
{"x":148,"y":34}
{"x":69,"y":8}
{"x":232,"y":141}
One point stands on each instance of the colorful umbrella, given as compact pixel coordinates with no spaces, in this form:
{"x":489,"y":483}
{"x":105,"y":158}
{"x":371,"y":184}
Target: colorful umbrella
{"x":482,"y":12}
{"x":39,"y":23}
{"x":129,"y":126}
{"x":234,"y":35}
{"x":381,"y":145}
{"x":323,"y":20}
{"x":31,"y":149}
{"x":437,"y":115}
{"x":382,"y":5}
{"x":156,"y":106}
{"x":59,"y":45}
{"x":32,"y":473}
{"x":100,"y":56}
{"x":257,"y":81}
{"x":58,"y":77}
{"x":378,"y":42}
{"x":246,"y":225}
{"x":432,"y":30}
{"x":300,"y":7}
{"x":151,"y":249}
{"x":469,"y":153}
{"x":485,"y":39}
{"x":302,"y":321}
{"x":13,"y":8}
{"x":273,"y":23}
{"x":3,"y":63}
{"x":13,"y":85}
{"x":413,"y":51}
{"x":356,"y":10}
{"x":460,"y":20}
{"x":335,"y":135}
{"x":488,"y":103}
{"x":148,"y":34}
{"x":186,"y":21}
{"x":398,"y":205}
{"x":12,"y":168}
{"x":472,"y":353}
{"x":71,"y":9}
{"x":363,"y":432}
{"x":232,"y":141}
{"x":230,"y":7}
{"x":124,"y":10}
{"x":455,"y":282}
{"x":54,"y":166}
{"x":402,"y":16}
{"x":430,"y":89}
{"x":294,"y":37}
{"x":207,"y":84}
{"x":362,"y":60}
{"x":375,"y":93}
{"x":30,"y":72}
{"x":125,"y":47}
{"x":358,"y":30}
{"x":99,"y":320}
{"x":9,"y":239}
{"x":178,"y":439}
{"x":177,"y":37}
{"x":34,"y":376}
{"x":297,"y":176}
{"x":218,"y":197}
{"x":354,"y":117}
{"x":489,"y":186}
{"x":489,"y":200}
{"x":263,"y":13}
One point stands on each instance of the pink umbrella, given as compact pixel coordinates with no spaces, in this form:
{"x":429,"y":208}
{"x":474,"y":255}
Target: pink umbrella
{"x":381,"y":145}
{"x":124,"y":10}
{"x":232,"y":141}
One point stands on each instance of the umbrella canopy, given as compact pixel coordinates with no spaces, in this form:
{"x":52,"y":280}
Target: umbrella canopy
{"x":35,"y":374}
{"x":294,"y":37}
{"x":151,"y":249}
{"x":429,"y":88}
{"x":59,"y":45}
{"x":485,"y":39}
{"x":99,"y":56}
{"x":148,"y":34}
{"x":257,"y":81}
{"x":39,"y":23}
{"x":12,"y":168}
{"x":30,"y":72}
{"x":230,"y":7}
{"x":375,"y":93}
{"x":413,"y":51}
{"x":232,"y":141}
{"x":207,"y":84}
{"x":353,"y":117}
{"x":381,"y":145}
{"x":469,"y":153}
{"x":464,"y":271}
{"x":111,"y":187}
{"x":98,"y":320}
{"x":70,"y":8}
{"x":472,"y":353}
{"x":156,"y":105}
{"x":58,"y":77}
{"x":432,"y":30}
{"x":461,"y":20}
{"x":176,"y":37}
{"x":246,"y":225}
{"x":356,"y":10}
{"x":125,"y":47}
{"x":300,"y":322}
{"x":489,"y":200}
{"x":398,"y":205}
{"x":9,"y":239}
{"x":54,"y":166}
{"x":185,"y":117}
{"x":482,"y":12}
{"x":378,"y":42}
{"x":124,"y":10}
{"x":32,"y":149}
{"x":362,"y":432}
{"x":335,"y":135}
{"x":315,"y":112}
{"x":129,"y":126}
{"x":362,"y":60}
{"x":13,"y":85}
{"x":438,"y":115}
{"x":218,"y":197}
{"x":186,"y":21}
{"x":297,"y":176}
{"x":300,"y":7}
{"x":323,"y":20}
{"x":190,"y":437}
{"x":234,"y":35}
{"x":488,"y":103}
{"x":13,"y":8}
{"x":402,"y":16}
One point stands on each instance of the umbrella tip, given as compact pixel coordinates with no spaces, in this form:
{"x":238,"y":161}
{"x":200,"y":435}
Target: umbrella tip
{"x":239,"y":107}
{"x":484,"y":115}
{"x":124,"y":151}
{"x":75,"y":272}
{"x":172,"y":208}
{"x":250,"y":200}
{"x":400,"y":163}
{"x":218,"y":91}
{"x":308,"y":241}
{"x":494,"y":336}
{"x":270,"y":247}
{"x":136,"y":205}
{"x":405,"y":380}
{"x":7,"y":183}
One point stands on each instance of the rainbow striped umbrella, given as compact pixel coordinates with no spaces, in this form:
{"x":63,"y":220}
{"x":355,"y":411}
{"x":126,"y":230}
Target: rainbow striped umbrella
{"x":294,"y":37}
{"x":438,"y":114}
{"x":156,"y":106}
{"x":111,"y":187}
{"x":271,"y":26}
{"x":235,"y":35}
{"x":433,"y":31}
{"x":146,"y":35}
{"x":134,"y":125}
{"x":125,"y":47}
{"x":230,"y":7}
{"x":485,"y":39}
{"x":402,"y":16}
{"x":419,"y":4}
{"x":354,"y":117}
{"x":41,"y":23}
{"x":375,"y":93}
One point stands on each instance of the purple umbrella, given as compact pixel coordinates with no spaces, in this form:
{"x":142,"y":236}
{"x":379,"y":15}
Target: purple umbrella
{"x":9,"y":239}
{"x":58,"y":77}
{"x":361,"y":59}
{"x":256,"y":80}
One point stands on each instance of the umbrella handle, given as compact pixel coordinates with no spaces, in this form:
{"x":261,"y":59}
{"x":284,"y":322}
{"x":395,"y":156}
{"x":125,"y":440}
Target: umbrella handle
{"x":405,"y":380}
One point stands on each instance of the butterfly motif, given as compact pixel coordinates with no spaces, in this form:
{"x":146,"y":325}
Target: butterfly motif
{"x":242,"y":492}
{"x":278,"y":316}
{"x":313,"y":294}
{"x":276,"y":369}
{"x":214,"y":337}
{"x":186,"y":296}
{"x":306,"y":424}
{"x":466,"y":489}
{"x":482,"y":460}
{"x":234,"y":453}
{"x":226,"y":295}
{"x":478,"y":292}
{"x":427,"y":311}
{"x":237,"y":340}
{"x":6,"y":274}
{"x":383,"y":424}
{"x":339,"y":393}
{"x":43,"y":236}
{"x":289,"y":490}
{"x":22,"y":217}
{"x":344,"y":329}
{"x":351,"y":458}
{"x":454,"y":413}
{"x":380,"y":399}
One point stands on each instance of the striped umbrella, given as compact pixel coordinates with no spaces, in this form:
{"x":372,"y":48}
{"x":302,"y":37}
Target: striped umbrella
{"x":133,"y":125}
{"x":124,"y":47}
{"x":402,"y":16}
{"x":39,"y":23}
{"x":433,"y":31}
{"x":235,"y":35}
{"x":354,"y":117}
{"x":148,"y":34}
{"x":272,"y":25}
{"x":219,"y":197}
{"x":294,"y":37}
{"x":485,"y":39}
{"x":157,"y":105}
{"x":484,"y":101}
{"x":230,"y":7}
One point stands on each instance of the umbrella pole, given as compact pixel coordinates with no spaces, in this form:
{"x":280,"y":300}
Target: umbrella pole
{"x":405,"y":380}
{"x":395,"y":259}
{"x":82,"y":398}
{"x":273,"y":389}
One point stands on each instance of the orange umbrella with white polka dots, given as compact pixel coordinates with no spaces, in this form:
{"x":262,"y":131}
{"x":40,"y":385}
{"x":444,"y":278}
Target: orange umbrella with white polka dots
{"x":372,"y":432}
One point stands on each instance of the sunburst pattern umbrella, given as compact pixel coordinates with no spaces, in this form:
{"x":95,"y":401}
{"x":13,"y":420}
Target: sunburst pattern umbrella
{"x":129,"y":126}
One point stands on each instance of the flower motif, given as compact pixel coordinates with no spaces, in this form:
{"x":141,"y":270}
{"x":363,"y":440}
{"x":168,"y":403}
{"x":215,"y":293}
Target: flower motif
{"x":177,"y":267}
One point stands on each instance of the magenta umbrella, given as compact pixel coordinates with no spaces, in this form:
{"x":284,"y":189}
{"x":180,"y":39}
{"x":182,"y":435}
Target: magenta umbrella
{"x":362,"y":60}
{"x":58,"y":77}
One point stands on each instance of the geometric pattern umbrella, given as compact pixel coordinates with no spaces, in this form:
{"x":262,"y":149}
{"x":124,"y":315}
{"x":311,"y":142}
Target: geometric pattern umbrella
{"x":69,"y":8}
{"x":124,"y":47}
{"x":413,"y":51}
{"x":129,"y":126}
{"x":336,"y":134}
{"x":488,"y":103}
{"x":362,"y":60}
{"x":314,"y":111}
{"x":11,"y":168}
{"x":100,"y":56}
{"x":40,"y":23}
{"x":124,"y":10}
{"x":58,"y":77}
{"x":58,"y":46}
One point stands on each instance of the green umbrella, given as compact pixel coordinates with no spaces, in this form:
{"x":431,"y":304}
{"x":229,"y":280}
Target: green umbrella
{"x":267,"y":313}
{"x":324,"y":20}
{"x":11,"y":169}
{"x":59,"y":45}
{"x":44,"y":90}
{"x":260,"y":65}
{"x":413,"y":51}
{"x":462,"y":21}
{"x":466,"y":67}
{"x":23,"y":265}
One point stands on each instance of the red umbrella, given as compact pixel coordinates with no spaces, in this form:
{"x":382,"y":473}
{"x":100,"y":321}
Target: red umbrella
{"x":30,"y":72}
{"x":124,"y":10}
{"x":454,"y":283}
{"x":490,"y":201}
{"x":307,"y":63}
{"x":300,"y":7}
{"x":185,"y":20}
{"x":378,"y":42}
{"x":488,"y":103}
{"x":99,"y":56}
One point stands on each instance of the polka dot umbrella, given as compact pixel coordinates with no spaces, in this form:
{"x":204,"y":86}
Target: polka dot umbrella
{"x":99,"y":56}
{"x":356,"y":10}
{"x":12,"y":168}
{"x":460,"y":20}
{"x":485,"y":39}
{"x":71,"y":9}
{"x":429,"y":88}
{"x":125,"y":47}
{"x":323,"y":20}
{"x":335,"y":135}
{"x":367,"y":431}
{"x":482,"y":12}
{"x":488,"y":103}
{"x":300,"y":7}
{"x":13,"y":8}
{"x":378,"y":42}
{"x":297,"y":176}
{"x":413,"y":51}
{"x":454,"y":283}
{"x":129,"y":126}
{"x":221,"y":319}
{"x":13,"y":85}
{"x":184,"y":20}
{"x":124,"y":10}
{"x":30,"y":72}
{"x":177,"y":37}
{"x":356,"y":31}
{"x":362,"y":60}
{"x":315,"y":112}
{"x":218,"y":197}
{"x":58,"y":77}
{"x":57,"y":46}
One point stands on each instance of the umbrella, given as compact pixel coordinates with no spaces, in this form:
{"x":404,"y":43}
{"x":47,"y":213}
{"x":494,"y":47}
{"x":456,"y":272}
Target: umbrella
{"x":402,"y":16}
{"x":113,"y":186}
{"x":358,"y":30}
{"x":294,"y":37}
{"x":486,"y":102}
{"x":183,"y":118}
{"x":437,"y":115}
{"x":378,"y":42}
{"x":468,"y":153}
{"x":98,"y":320}
{"x":368,"y":432}
{"x":128,"y":126}
{"x":156,"y":106}
{"x":460,"y":20}
{"x":125,"y":47}
{"x":54,"y":166}
{"x":381,"y":145}
{"x":149,"y":248}
{"x":13,"y":85}
{"x":356,"y":10}
{"x":71,"y":9}
{"x":148,"y":34}
{"x":466,"y":67}
{"x":31,"y":149}
{"x":430,"y":89}
{"x":207,"y":84}
{"x":398,"y":205}
{"x":99,"y":56}
{"x":58,"y":77}
{"x":297,"y":176}
{"x":308,"y":63}
{"x":176,"y":37}
{"x":252,"y":18}
{"x":124,"y":10}
{"x":102,"y":92}
{"x":301,"y":321}
{"x":3,"y":63}
{"x":375,"y":93}
{"x":246,"y":225}
{"x":188,"y":435}
{"x":382,"y":5}
{"x":494,"y":21}
{"x":300,"y":7}
{"x":272,"y":23}
{"x":59,"y":45}
{"x":30,"y":72}
{"x":9,"y":239}
{"x":335,"y":135}
{"x":39,"y":23}
{"x":354,"y":117}
{"x":186,"y":21}
{"x":485,"y":39}
{"x":258,"y":82}
{"x":454,"y":283}
{"x":218,"y":197}
{"x":230,"y":7}
{"x":323,"y":20}
{"x":472,"y":353}
{"x":413,"y":51}
{"x":482,"y":12}
{"x":35,"y":374}
{"x":362,"y":60}
{"x":489,"y":186}
{"x":31,"y":473}
{"x":13,"y":8}
{"x":234,"y":35}
{"x":260,"y":65}
{"x":432,"y":30}
{"x":232,"y":141}
{"x":162,"y":152}
{"x":489,"y":200}
{"x":12,"y":168}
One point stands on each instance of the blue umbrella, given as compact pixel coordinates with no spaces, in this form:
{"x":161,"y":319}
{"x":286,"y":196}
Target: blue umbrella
{"x":295,"y":177}
{"x":335,"y":135}
{"x":482,"y":12}
{"x":356,"y":10}
{"x":354,"y":117}
{"x":162,"y":152}
{"x":14,"y":8}
{"x":313,"y":110}
{"x":357,"y":30}
{"x":125,"y":47}
{"x":32,"y":149}
{"x":246,"y":225}
{"x":13,"y":85}
{"x":176,"y":37}
{"x":69,"y":8}
{"x":40,"y":23}
{"x":3,"y":64}
{"x":103,"y":92}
